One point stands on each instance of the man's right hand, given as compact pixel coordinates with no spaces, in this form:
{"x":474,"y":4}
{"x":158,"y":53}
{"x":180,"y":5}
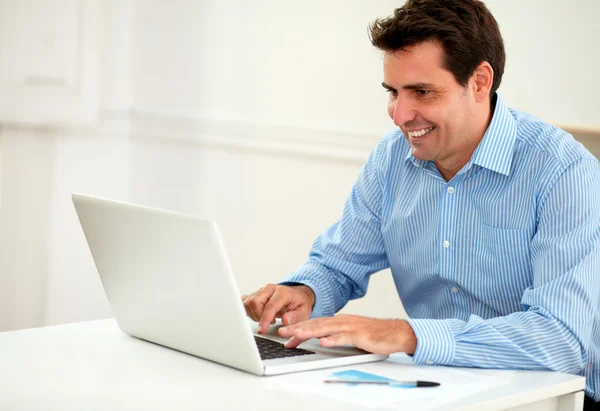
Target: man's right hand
{"x":292,"y":304}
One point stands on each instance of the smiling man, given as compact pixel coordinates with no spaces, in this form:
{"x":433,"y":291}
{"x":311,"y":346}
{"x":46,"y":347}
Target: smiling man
{"x":443,"y":120}
{"x":488,"y":218}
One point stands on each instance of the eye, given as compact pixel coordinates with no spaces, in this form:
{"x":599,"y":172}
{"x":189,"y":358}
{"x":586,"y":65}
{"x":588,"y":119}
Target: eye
{"x":423,"y":93}
{"x":393,"y":93}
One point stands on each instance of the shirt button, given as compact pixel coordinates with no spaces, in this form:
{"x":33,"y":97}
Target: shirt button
{"x":430,"y":362}
{"x":446,"y":243}
{"x":451,"y":190}
{"x":455,"y":290}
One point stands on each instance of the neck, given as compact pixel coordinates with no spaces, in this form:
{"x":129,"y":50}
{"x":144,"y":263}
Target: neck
{"x":449,"y":167}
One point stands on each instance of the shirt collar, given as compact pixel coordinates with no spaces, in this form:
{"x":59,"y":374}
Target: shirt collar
{"x":496,"y":148}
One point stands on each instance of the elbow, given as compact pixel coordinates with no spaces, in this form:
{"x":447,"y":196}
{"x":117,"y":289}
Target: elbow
{"x":569,"y":353}
{"x":580,"y":360}
{"x":572,"y":360}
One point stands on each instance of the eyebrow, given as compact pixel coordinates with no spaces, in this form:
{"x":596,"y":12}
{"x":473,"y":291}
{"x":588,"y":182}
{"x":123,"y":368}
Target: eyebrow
{"x":415,"y":86}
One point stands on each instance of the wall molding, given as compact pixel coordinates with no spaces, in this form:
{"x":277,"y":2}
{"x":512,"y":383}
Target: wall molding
{"x":237,"y":134}
{"x":226,"y":134}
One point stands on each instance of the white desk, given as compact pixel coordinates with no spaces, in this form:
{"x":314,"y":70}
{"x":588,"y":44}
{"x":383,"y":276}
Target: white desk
{"x":94,"y":366}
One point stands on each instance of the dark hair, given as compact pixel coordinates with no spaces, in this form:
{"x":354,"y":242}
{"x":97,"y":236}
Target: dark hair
{"x":466,"y":30}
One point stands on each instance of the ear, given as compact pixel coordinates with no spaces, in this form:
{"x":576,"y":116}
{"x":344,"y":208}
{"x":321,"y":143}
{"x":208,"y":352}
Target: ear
{"x":482,"y":79}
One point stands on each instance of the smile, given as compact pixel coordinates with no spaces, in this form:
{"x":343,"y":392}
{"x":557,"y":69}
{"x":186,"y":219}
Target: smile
{"x":420,"y":133}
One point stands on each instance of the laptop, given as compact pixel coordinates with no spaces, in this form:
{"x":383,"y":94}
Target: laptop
{"x":168,"y":281}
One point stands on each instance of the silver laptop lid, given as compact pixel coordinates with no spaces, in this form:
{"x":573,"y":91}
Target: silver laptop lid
{"x":160,"y":270}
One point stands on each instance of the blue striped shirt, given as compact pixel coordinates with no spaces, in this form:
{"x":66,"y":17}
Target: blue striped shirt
{"x":497,"y":268}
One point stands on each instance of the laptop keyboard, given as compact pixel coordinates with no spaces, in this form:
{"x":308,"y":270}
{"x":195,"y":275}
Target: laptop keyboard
{"x":271,"y":349}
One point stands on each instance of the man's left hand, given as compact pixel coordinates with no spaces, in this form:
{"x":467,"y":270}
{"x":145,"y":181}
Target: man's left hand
{"x":373,"y":335}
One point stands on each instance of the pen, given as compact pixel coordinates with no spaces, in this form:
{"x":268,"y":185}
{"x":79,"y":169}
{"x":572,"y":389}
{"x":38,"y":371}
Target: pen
{"x":407,"y":384}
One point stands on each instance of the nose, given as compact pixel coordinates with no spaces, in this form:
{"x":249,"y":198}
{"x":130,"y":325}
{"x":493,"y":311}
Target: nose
{"x":402,"y":112}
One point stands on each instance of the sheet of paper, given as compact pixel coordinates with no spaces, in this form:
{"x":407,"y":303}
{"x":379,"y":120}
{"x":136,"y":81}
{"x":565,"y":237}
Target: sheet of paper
{"x":455,"y":383}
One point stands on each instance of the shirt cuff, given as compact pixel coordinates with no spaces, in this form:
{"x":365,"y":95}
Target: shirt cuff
{"x":317,"y":310}
{"x":435,"y":342}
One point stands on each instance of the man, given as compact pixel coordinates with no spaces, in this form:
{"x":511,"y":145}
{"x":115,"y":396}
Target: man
{"x":488,"y":218}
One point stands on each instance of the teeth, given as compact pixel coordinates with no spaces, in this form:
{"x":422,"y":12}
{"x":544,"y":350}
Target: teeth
{"x":420,"y":132}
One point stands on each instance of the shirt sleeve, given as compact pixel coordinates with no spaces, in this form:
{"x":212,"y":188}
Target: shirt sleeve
{"x":347,"y":253}
{"x":558,"y":310}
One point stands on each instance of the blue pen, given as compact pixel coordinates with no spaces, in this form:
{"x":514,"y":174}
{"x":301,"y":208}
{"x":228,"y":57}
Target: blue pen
{"x":407,"y":384}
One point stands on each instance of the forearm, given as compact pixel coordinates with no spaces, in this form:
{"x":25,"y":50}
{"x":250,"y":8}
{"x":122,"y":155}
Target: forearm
{"x":524,"y":340}
{"x":344,"y":256}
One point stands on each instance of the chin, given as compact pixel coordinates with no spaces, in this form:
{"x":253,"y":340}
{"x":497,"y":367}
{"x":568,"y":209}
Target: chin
{"x":420,"y":154}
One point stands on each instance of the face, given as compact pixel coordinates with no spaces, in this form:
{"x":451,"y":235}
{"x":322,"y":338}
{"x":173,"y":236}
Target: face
{"x":435,"y":113}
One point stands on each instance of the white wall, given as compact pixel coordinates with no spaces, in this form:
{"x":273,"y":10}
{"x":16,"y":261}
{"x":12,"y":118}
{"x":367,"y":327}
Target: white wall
{"x":256,"y":114}
{"x":307,"y":64}
{"x":553,"y":58}
{"x":311,"y":65}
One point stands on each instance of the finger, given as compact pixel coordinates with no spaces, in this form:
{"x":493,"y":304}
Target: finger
{"x":338,"y":340}
{"x":296,"y":316}
{"x":316,"y":328}
{"x":249,"y":312}
{"x":279,"y":300}
{"x":294,"y":342}
{"x":256,"y":302}
{"x":290,"y":330}
{"x":306,"y":330}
